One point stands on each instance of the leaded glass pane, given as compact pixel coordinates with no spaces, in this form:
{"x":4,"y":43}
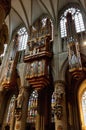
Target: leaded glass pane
{"x":23,"y":37}
{"x":78,"y":19}
{"x":32,"y":107}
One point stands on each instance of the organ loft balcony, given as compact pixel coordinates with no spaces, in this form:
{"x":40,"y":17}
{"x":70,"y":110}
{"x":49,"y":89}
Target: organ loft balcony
{"x":38,"y":61}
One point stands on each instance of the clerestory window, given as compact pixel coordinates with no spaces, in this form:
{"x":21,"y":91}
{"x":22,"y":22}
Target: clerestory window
{"x":79,"y":25}
{"x":78,"y":20}
{"x":22,"y":39}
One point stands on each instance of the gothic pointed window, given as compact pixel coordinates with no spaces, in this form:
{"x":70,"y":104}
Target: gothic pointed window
{"x":32,"y":107}
{"x":10,"y":109}
{"x":84,"y":107}
{"x":20,"y":39}
{"x":79,"y":25}
{"x":82,"y":104}
{"x":23,"y":37}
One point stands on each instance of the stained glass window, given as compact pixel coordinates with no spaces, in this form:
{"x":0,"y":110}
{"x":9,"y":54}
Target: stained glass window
{"x":84,"y":106}
{"x":32,"y":107}
{"x":80,"y":29}
{"x":78,"y":20}
{"x":23,"y":37}
{"x":10,"y":109}
{"x":52,"y":107}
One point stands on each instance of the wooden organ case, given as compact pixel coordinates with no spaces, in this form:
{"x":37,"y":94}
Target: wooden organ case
{"x":38,"y":55}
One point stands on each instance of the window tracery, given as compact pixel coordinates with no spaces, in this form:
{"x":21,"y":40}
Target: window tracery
{"x":32,"y":107}
{"x":23,"y":37}
{"x":20,"y":41}
{"x":10,"y":110}
{"x":79,"y":26}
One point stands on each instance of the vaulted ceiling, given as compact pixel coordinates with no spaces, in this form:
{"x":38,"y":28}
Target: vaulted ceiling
{"x":27,"y":11}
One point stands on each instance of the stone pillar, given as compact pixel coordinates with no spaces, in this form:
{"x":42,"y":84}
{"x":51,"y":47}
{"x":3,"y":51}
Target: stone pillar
{"x":44,"y":109}
{"x":40,"y":117}
{"x":60,"y":106}
{"x":21,"y":109}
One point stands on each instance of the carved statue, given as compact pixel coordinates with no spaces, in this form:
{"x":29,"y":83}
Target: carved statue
{"x":20,"y":99}
{"x":58,"y":107}
{"x":74,"y":59}
{"x":58,"y":110}
{"x":59,"y":94}
{"x":18,"y":114}
{"x":19,"y":103}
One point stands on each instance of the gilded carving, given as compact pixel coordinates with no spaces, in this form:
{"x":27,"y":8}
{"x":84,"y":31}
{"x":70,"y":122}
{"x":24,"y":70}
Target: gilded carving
{"x":39,"y":54}
{"x":58,"y":107}
{"x":58,"y":111}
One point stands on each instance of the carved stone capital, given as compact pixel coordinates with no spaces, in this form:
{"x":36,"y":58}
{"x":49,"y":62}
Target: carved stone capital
{"x":59,"y":83}
{"x":59,"y":91}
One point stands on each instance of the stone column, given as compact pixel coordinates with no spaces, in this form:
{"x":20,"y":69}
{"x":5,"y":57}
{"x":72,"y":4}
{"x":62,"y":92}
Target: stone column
{"x":40,"y":117}
{"x":44,"y":109}
{"x":21,"y":109}
{"x":60,"y":106}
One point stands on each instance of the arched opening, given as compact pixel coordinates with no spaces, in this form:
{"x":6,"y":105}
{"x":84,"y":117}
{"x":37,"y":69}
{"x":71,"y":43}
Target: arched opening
{"x":9,"y":119}
{"x":20,"y":40}
{"x":82,"y":104}
{"x":80,"y":29}
{"x":32,"y":110}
